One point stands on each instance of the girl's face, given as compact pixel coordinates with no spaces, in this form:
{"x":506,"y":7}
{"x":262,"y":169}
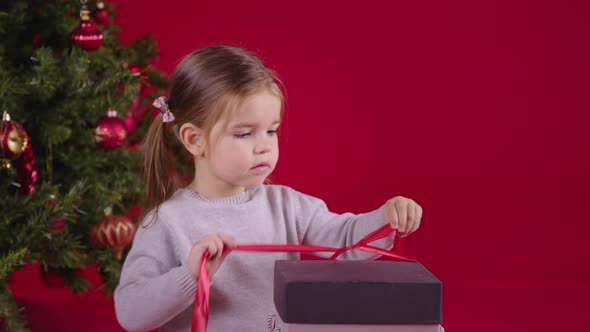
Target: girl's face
{"x":242,"y":154}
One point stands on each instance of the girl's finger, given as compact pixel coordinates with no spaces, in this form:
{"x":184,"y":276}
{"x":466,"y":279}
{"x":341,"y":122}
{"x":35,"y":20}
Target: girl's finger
{"x":411,"y":217}
{"x":391,"y":218}
{"x":212,"y":248}
{"x":418,"y":217}
{"x":402,"y":217}
{"x":228,"y":240}
{"x":218,"y":245}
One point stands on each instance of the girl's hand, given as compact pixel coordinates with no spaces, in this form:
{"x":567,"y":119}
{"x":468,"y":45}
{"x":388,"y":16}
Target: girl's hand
{"x":402,"y":214}
{"x":218,"y":246}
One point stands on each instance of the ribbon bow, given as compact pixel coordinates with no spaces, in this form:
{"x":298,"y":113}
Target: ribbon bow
{"x":160,"y":103}
{"x":201,"y":309}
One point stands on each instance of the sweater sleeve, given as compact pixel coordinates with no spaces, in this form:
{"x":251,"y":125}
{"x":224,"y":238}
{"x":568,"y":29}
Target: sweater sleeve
{"x":319,"y":226}
{"x":155,"y":284}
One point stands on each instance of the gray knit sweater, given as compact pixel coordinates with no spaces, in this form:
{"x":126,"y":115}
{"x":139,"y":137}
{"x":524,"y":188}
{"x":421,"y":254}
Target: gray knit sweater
{"x":157,"y":289}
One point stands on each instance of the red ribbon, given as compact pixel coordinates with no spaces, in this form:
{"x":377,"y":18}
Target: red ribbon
{"x":201,"y":310}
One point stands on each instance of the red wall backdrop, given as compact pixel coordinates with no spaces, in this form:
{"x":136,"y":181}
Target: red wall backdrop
{"x":477,"y":110}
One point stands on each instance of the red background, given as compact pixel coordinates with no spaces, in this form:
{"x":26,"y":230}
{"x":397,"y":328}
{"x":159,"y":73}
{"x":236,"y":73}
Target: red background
{"x":477,"y":110}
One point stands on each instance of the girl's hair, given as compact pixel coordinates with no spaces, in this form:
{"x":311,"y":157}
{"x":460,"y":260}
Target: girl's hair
{"x":204,"y":89}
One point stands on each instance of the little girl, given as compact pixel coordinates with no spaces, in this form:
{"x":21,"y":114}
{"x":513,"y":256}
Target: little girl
{"x":225,"y":108}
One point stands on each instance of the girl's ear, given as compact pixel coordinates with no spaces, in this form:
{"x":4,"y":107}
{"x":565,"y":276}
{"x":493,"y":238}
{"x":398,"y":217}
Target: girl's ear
{"x":193,"y":139}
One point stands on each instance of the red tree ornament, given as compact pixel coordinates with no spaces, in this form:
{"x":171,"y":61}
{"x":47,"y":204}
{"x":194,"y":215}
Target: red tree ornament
{"x":52,"y":278}
{"x":134,"y":211}
{"x":27,"y":170}
{"x":115,"y":231}
{"x":110,"y":131}
{"x":57,"y":226}
{"x":137,"y":71}
{"x":133,"y":116}
{"x":87,"y":36}
{"x":130,"y":123}
{"x":100,"y":15}
{"x":13,"y":139}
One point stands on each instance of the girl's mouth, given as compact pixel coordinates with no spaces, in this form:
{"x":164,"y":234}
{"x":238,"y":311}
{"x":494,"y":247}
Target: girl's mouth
{"x":261,"y":168}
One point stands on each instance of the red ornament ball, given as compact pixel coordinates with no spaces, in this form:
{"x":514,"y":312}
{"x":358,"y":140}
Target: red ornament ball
{"x":100,"y":15}
{"x":87,"y":36}
{"x":52,"y":200}
{"x":13,"y":138}
{"x":57,"y":226}
{"x":52,"y":278}
{"x":110,"y":131}
{"x":115,"y":231}
{"x":135,"y":114}
{"x":134,"y":211}
{"x":137,"y":71}
{"x":130,"y":123}
{"x":26,"y":170}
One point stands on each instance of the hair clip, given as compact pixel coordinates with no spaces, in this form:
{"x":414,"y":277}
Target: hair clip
{"x":160,"y":103}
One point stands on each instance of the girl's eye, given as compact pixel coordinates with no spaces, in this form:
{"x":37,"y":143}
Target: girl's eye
{"x":242,"y":135}
{"x":272,"y":132}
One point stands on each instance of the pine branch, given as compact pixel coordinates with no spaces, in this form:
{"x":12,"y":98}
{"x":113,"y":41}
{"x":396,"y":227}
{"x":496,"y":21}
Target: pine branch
{"x":10,"y":262}
{"x":10,"y":314}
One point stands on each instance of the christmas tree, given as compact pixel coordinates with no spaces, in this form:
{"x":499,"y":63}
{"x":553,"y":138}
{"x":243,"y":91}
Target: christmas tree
{"x":70,"y":177}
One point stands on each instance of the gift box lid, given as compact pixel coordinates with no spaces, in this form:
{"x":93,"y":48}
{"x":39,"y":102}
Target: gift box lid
{"x":356,"y":292}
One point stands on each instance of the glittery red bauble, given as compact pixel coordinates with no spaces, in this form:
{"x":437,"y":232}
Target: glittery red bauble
{"x":100,"y":15}
{"x":36,"y":39}
{"x":87,"y":36}
{"x":135,"y":114}
{"x":57,"y":226}
{"x":110,"y":131}
{"x":52,"y":200}
{"x":134,"y":211}
{"x":13,"y":139}
{"x":130,"y":124}
{"x":137,"y":71}
{"x":26,"y":170}
{"x":113,"y":231}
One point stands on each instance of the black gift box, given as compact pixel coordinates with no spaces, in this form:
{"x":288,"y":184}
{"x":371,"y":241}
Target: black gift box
{"x":356,"y":292}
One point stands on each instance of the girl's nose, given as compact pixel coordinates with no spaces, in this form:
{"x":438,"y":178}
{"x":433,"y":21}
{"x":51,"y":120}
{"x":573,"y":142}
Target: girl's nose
{"x":263,"y":145}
